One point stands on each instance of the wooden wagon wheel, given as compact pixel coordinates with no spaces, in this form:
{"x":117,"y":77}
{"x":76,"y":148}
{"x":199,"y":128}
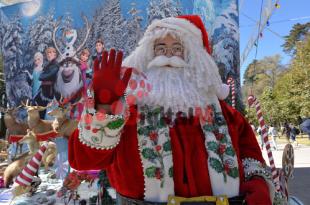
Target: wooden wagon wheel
{"x":288,"y":161}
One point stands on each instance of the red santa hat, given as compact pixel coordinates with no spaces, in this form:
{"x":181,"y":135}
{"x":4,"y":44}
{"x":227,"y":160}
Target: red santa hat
{"x":197,"y":22}
{"x":188,"y":24}
{"x":27,"y":175}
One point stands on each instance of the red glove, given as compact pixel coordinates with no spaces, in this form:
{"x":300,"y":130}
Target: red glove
{"x":107,"y":83}
{"x":256,"y":192}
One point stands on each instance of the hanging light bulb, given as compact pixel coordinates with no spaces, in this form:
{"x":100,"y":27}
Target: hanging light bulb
{"x":277,"y":5}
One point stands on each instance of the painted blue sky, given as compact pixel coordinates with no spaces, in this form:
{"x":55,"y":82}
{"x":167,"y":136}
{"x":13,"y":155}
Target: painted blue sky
{"x":270,"y":44}
{"x":72,"y":6}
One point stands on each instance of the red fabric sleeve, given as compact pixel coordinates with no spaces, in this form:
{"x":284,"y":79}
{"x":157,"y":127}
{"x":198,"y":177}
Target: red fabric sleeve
{"x":82,"y":157}
{"x":246,"y":139}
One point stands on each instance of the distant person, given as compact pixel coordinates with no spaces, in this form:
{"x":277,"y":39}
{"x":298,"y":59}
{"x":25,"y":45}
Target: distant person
{"x":305,"y":127}
{"x":286,"y":130}
{"x":273,"y":133}
{"x":294,"y":132}
{"x":259,"y":132}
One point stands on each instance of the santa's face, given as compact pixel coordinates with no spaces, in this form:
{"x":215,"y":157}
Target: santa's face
{"x":166,"y":72}
{"x":168,"y":46}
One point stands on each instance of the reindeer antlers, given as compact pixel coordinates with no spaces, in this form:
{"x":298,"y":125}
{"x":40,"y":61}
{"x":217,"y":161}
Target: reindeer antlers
{"x":86,"y":36}
{"x":54,"y":34}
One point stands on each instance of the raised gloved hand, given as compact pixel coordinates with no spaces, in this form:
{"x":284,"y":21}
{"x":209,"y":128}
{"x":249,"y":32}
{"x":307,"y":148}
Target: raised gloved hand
{"x":256,"y":192}
{"x":107,"y":82}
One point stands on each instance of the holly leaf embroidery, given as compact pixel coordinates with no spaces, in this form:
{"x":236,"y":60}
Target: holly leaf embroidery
{"x":216,"y":164}
{"x":213,"y":146}
{"x":230,"y":151}
{"x":149,"y":153}
{"x":171,"y":172}
{"x":167,"y":146}
{"x":209,"y":128}
{"x":142,"y":131}
{"x":115,"y":124}
{"x":161,"y":123}
{"x":233,"y":172}
{"x":150,"y":172}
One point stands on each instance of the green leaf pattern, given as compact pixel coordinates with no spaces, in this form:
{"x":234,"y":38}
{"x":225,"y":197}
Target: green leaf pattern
{"x":221,"y":146}
{"x":149,"y":130}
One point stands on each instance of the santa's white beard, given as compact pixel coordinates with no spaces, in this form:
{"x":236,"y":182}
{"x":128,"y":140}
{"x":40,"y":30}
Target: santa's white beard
{"x":171,"y":88}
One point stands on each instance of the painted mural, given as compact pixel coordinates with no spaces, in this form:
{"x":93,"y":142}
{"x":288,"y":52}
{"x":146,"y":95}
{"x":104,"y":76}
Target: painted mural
{"x":36,"y":35}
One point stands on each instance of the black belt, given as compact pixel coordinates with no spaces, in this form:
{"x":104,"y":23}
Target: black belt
{"x":122,"y":200}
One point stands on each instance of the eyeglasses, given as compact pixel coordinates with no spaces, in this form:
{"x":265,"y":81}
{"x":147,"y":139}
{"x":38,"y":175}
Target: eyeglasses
{"x":176,"y":50}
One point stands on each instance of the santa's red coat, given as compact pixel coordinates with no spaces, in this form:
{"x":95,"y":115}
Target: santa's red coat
{"x":191,"y":178}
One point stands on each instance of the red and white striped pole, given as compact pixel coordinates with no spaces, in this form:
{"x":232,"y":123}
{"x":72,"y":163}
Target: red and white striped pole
{"x":253,"y":101}
{"x":27,"y":175}
{"x":231,"y":83}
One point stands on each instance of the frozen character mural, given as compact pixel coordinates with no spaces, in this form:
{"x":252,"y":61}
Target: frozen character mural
{"x":48,"y":78}
{"x":69,"y":79}
{"x":99,"y":49}
{"x":37,"y":70}
{"x":38,"y":62}
{"x":84,"y":66}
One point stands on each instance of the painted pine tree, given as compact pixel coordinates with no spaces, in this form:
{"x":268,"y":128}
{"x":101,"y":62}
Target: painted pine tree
{"x":133,"y":29}
{"x":12,"y":49}
{"x":39,"y":37}
{"x":159,"y":9}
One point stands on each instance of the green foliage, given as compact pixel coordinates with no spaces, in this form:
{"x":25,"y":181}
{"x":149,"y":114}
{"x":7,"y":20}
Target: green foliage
{"x":292,"y":90}
{"x":261,"y":73}
{"x":298,"y":34}
{"x":289,"y":97}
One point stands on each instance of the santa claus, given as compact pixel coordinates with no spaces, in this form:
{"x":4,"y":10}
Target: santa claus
{"x":175,"y":141}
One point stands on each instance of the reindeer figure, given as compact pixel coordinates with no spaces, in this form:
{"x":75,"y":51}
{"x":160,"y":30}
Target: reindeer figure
{"x":62,"y":124}
{"x":13,"y":126}
{"x":31,"y":140}
{"x":34,"y":145}
{"x":35,"y":123}
{"x":17,"y":166}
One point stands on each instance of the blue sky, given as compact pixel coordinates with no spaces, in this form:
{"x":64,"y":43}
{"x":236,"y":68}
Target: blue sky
{"x":270,"y":44}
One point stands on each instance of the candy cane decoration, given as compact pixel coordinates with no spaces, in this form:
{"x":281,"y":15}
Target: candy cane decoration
{"x":231,"y":83}
{"x":27,"y":175}
{"x":253,"y":101}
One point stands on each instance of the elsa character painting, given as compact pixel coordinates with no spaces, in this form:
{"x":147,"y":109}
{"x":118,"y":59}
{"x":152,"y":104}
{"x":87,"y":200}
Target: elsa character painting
{"x":37,"y":70}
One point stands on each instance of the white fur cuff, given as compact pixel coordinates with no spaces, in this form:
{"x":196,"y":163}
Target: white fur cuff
{"x":253,"y":167}
{"x":101,"y":134}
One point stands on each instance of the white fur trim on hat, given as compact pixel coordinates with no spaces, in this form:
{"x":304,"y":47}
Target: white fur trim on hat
{"x":179,"y":25}
{"x":222,"y":91}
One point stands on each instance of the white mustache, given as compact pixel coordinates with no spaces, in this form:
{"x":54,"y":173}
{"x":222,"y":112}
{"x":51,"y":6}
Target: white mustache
{"x":162,"y":61}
